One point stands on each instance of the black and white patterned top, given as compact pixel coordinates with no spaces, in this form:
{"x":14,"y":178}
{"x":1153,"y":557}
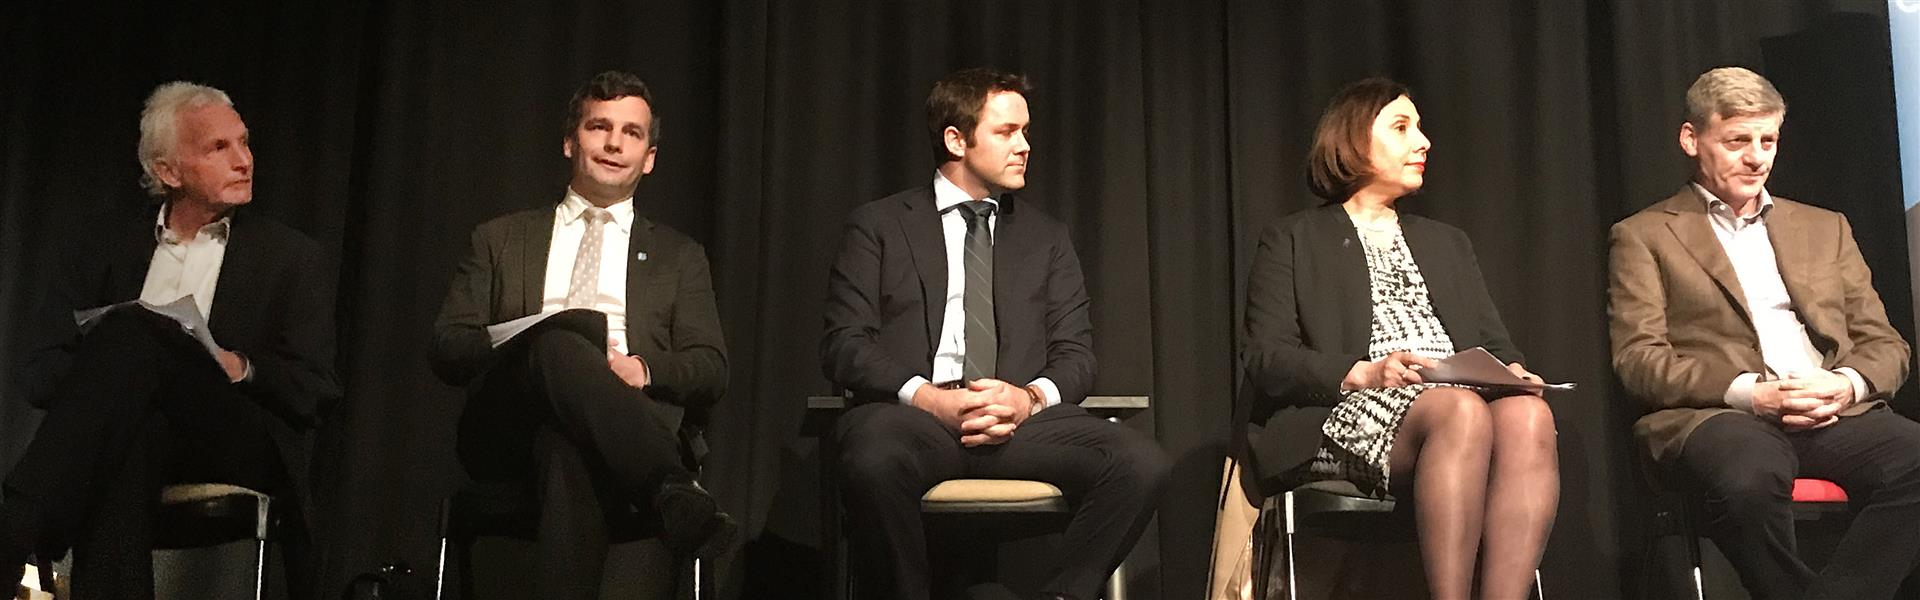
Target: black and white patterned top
{"x":1359,"y":433}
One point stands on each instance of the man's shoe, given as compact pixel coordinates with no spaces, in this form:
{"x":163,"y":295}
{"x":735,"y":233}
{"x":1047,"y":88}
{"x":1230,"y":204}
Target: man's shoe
{"x":691,"y":520}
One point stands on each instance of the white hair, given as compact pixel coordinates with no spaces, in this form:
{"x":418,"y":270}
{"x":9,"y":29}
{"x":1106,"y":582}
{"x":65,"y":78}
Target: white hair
{"x":160,"y":124}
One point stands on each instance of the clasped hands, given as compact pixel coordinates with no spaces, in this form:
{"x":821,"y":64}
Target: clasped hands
{"x":1804,"y":400}
{"x":986,"y":412}
{"x":1401,"y":369}
{"x":630,"y":369}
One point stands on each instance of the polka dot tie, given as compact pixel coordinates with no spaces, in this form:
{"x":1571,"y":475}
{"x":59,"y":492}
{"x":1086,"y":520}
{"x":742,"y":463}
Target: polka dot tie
{"x":585,"y":285}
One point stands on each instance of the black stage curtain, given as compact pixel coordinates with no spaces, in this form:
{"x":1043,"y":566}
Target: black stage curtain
{"x":1167,"y":135}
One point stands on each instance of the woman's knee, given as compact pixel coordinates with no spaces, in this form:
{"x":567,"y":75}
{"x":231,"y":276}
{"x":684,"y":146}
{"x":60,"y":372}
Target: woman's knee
{"x":1525,"y":419}
{"x":1455,"y":412}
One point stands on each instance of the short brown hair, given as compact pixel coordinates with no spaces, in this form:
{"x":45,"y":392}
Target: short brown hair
{"x":613,"y":85}
{"x":956,"y":101}
{"x":1340,"y":161}
{"x":1731,"y":92}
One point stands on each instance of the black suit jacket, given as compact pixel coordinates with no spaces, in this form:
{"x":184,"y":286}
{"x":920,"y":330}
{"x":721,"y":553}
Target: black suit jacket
{"x":273,"y":303}
{"x":886,"y":298}
{"x":1309,"y":318}
{"x":672,"y":321}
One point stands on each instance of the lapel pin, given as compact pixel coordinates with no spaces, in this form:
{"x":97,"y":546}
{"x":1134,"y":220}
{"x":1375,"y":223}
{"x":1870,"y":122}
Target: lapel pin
{"x":640,"y":256}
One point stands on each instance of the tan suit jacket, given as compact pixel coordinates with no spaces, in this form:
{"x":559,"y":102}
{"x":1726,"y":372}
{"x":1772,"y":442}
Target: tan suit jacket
{"x":1680,"y":324}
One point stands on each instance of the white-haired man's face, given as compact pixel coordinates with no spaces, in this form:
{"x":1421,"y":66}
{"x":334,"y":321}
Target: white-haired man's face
{"x":211,"y":163}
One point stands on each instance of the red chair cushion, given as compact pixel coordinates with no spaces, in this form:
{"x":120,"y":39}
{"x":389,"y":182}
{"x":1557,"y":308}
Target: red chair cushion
{"x":1817,"y":490}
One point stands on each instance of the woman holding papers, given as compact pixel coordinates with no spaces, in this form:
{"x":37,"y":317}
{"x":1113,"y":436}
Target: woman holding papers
{"x":1347,"y":304}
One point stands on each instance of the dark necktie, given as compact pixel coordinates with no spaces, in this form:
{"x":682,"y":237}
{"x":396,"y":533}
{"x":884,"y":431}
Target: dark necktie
{"x":982,"y":340}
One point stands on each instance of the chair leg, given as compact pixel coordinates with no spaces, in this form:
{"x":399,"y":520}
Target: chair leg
{"x":440,"y":571}
{"x":260,"y":569}
{"x":1293,"y":587}
{"x":1117,"y":582}
{"x":1693,"y":553}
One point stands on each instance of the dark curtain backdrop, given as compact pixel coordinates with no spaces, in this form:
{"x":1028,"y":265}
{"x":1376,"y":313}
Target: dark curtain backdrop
{"x":1167,"y":135}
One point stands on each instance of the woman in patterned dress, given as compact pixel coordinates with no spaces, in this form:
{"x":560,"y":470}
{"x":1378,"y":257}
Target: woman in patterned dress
{"x":1346,"y":304}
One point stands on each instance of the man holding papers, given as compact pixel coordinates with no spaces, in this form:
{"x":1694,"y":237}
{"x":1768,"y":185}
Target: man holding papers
{"x":1748,"y":325}
{"x":618,"y":394}
{"x":139,"y":401}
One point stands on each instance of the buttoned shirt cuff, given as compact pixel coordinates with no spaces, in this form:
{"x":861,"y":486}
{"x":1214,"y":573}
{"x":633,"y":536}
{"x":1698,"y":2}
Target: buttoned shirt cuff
{"x":1049,"y":393}
{"x":906,"y":391}
{"x":1859,"y":383}
{"x":1740,"y":393}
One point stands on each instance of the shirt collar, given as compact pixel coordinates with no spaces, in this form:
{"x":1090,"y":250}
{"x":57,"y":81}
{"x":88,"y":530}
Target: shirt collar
{"x":947,"y":195}
{"x":1719,"y":209}
{"x":575,"y":206}
{"x":216,"y":231}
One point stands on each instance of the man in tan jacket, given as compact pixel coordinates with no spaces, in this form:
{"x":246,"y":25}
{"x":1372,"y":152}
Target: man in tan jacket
{"x":1749,"y":326}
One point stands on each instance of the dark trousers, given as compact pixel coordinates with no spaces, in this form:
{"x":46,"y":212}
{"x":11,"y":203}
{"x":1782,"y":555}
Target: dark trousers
{"x":143,"y":406}
{"x":551,"y":414}
{"x":1745,"y":469}
{"x":891,"y":454}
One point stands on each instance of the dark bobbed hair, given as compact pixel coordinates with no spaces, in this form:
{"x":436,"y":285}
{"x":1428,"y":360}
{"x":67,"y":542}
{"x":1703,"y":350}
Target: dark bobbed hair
{"x":1339,"y":163}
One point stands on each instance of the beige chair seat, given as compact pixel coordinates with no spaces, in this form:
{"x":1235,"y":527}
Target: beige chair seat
{"x":993,"y":495}
{"x":197,"y":492}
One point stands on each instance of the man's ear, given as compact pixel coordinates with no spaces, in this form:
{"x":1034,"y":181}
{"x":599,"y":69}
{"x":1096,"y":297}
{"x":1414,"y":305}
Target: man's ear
{"x":566,"y":146}
{"x":956,"y":141}
{"x":1689,"y":143}
{"x":165,"y":173}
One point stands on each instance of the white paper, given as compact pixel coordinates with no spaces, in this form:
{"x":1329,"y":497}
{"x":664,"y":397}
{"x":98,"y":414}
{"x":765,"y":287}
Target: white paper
{"x":500,"y":333}
{"x":184,"y":311}
{"x":1477,"y":367}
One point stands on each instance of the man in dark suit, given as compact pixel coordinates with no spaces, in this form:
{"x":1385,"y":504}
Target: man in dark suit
{"x":1749,"y":326}
{"x":621,"y":400}
{"x":941,"y":296}
{"x":135,"y":402}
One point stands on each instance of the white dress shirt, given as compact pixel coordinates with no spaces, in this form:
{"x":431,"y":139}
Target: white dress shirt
{"x":569,"y":225}
{"x":186,"y":267}
{"x":1784,"y":345}
{"x":951,"y":352}
{"x":181,"y":268}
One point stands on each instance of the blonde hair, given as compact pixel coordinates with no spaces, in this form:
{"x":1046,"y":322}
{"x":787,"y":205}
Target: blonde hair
{"x":1730,"y":92}
{"x":160,"y":124}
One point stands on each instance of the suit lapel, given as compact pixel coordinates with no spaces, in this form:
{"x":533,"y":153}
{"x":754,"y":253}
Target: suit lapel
{"x":240,"y":265}
{"x":1349,"y":265}
{"x":127,"y":272}
{"x":1012,"y":249}
{"x":1790,"y":252}
{"x":921,"y":226}
{"x":1688,"y":223}
{"x":639,"y":244}
{"x":534,"y":234}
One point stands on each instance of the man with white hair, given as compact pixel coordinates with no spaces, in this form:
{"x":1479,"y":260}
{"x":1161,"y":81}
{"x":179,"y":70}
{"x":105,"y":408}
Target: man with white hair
{"x":1748,"y":325}
{"x":134,"y":402}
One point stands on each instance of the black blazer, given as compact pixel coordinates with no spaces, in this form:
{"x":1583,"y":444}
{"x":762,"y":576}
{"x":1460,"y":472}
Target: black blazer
{"x":886,"y":297}
{"x":1309,"y":317}
{"x":273,"y":303}
{"x":672,"y":321}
